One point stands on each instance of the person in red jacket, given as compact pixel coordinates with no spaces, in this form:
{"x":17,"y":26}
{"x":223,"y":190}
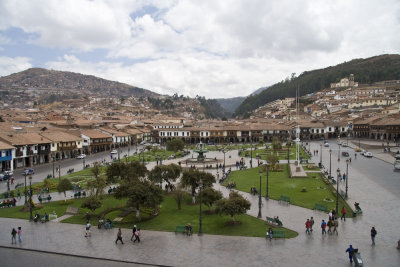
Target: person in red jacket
{"x":308,"y":226}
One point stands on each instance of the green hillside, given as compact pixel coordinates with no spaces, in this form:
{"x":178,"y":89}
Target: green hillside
{"x":366,"y":71}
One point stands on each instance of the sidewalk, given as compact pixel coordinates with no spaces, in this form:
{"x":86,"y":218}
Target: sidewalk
{"x":166,"y":248}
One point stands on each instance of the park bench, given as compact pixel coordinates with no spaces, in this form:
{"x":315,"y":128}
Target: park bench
{"x":284,"y":199}
{"x":274,"y":221}
{"x":320,"y":207}
{"x":182,"y":229}
{"x":277,"y":234}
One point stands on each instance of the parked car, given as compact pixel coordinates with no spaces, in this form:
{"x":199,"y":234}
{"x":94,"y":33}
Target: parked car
{"x":28,"y":172}
{"x":368,"y":154}
{"x":143,"y":143}
{"x":362,"y":152}
{"x":345,"y":154}
{"x":344,"y":145}
{"x":11,"y":173}
{"x":81,"y":156}
{"x":4,"y":177}
{"x":114,"y":151}
{"x":326,"y":144}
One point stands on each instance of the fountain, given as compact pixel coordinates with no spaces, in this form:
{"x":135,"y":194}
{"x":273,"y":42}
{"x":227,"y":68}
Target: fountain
{"x":201,"y":157}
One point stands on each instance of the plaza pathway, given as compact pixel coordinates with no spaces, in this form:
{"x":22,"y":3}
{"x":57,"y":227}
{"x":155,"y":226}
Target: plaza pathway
{"x":378,"y":200}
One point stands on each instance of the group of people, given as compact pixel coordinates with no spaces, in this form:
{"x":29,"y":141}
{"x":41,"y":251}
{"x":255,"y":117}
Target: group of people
{"x":253,"y":190}
{"x":107,"y":224}
{"x":14,"y":235}
{"x":231,"y":185}
{"x":316,"y":152}
{"x":8,"y":203}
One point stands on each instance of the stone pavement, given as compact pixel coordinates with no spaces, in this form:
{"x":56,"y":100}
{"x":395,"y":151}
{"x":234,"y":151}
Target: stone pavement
{"x":165,"y":248}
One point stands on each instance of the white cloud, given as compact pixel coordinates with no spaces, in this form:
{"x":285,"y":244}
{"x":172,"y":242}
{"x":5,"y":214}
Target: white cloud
{"x":10,"y":65}
{"x":211,"y":48}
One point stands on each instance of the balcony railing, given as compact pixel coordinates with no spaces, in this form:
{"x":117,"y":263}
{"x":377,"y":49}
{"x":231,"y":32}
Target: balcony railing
{"x":19,"y":153}
{"x":66,"y":148}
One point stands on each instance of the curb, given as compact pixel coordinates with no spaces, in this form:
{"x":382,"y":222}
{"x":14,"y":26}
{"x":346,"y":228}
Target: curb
{"x":83,"y":256}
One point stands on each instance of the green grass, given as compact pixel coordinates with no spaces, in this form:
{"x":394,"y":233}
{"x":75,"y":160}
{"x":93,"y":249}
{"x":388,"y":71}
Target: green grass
{"x":167,"y":219}
{"x":279,"y":184}
{"x":282,"y":153}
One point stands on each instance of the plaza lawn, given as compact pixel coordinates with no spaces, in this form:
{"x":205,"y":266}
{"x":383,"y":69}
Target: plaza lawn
{"x":282,"y":153}
{"x":167,"y":219}
{"x":279,"y":183}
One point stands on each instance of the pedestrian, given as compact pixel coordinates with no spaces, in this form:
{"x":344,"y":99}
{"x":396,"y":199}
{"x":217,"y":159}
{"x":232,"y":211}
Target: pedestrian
{"x":312,"y":224}
{"x":308,"y":226}
{"x":13,"y":236}
{"x":270,"y":234}
{"x":87,"y":234}
{"x":335,"y":226}
{"x":373,"y":234}
{"x":333,"y":214}
{"x":350,"y":250}
{"x":19,"y":194}
{"x":350,"y":160}
{"x":323,"y":227}
{"x":343,"y":214}
{"x":330,"y":224}
{"x":119,"y":236}
{"x":137,"y":236}
{"x":19,"y":234}
{"x":133,"y":232}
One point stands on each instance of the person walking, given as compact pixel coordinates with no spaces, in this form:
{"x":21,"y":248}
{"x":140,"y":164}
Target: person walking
{"x":87,"y":234}
{"x":137,"y":236}
{"x":323,"y":227}
{"x":119,"y":236}
{"x":350,"y":250}
{"x":133,"y":232}
{"x":335,"y":226}
{"x":19,"y":234}
{"x":330,"y":224}
{"x":343,"y":214}
{"x":308,"y":226}
{"x":373,"y":234}
{"x":13,"y":236}
{"x":312,"y":223}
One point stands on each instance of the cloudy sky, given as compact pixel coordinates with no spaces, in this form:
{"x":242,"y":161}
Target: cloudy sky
{"x":209,"y":48}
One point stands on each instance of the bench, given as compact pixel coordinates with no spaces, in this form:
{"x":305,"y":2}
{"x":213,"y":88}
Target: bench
{"x":284,"y":199}
{"x":274,"y":221}
{"x":277,"y":234}
{"x":320,"y":207}
{"x":182,"y":229}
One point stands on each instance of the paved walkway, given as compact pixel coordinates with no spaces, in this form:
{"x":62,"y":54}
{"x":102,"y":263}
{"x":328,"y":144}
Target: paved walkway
{"x":164,"y":248}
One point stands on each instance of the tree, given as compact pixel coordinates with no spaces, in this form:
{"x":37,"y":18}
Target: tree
{"x":64,"y":186}
{"x":125,"y":171}
{"x":276,"y":144}
{"x":175,"y":145}
{"x":179,"y":195}
{"x":191,"y":178}
{"x":272,"y":159}
{"x":92,"y":203}
{"x":139,"y":194}
{"x":210,"y":196}
{"x":97,"y":185}
{"x":234,"y":205}
{"x":167,"y":173}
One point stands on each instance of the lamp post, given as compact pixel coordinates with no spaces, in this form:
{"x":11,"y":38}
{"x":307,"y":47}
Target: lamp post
{"x":200,"y":218}
{"x":330,"y":163}
{"x":25,"y":185}
{"x":223,"y":167}
{"x":251,"y":154}
{"x":338,"y":156}
{"x":266,"y":171}
{"x":83,"y":163}
{"x":259,"y":199}
{"x":59,"y":173}
{"x":54,"y":159}
{"x":119,"y":155}
{"x":347,"y":176}
{"x":320,"y":159}
{"x":337,"y":189}
{"x":30,"y":198}
{"x":288,"y":150}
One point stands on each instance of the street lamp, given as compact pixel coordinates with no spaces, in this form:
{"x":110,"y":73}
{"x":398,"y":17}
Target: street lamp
{"x":59,"y":173}
{"x":200,"y":218}
{"x":266,"y":170}
{"x":338,"y":156}
{"x":83,"y":163}
{"x":259,"y":199}
{"x":223,"y":167}
{"x":337,"y":189}
{"x":289,"y":143}
{"x":25,"y":185}
{"x":30,"y":197}
{"x":251,"y":153}
{"x":320,"y":159}
{"x":330,"y":163}
{"x":54,"y":159}
{"x":347,"y":175}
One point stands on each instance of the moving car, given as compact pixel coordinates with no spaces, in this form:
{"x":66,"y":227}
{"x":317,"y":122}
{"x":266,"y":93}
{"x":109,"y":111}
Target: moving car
{"x":344,"y":145}
{"x":368,"y":154}
{"x":81,"y":156}
{"x":28,"y":172}
{"x":114,"y":151}
{"x":326,"y":144}
{"x":345,"y":154}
